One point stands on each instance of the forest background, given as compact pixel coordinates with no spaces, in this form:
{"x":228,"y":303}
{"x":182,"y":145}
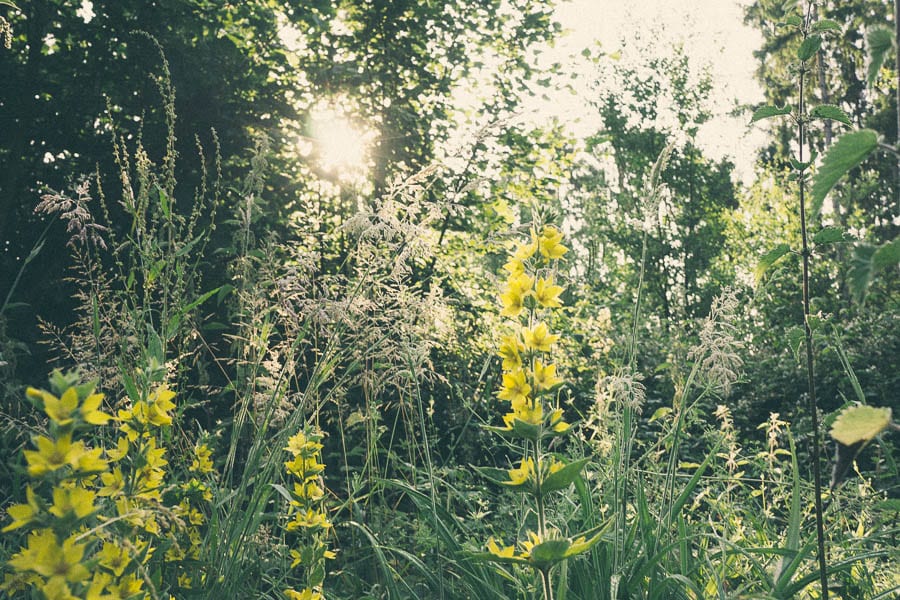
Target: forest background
{"x":297,"y":215}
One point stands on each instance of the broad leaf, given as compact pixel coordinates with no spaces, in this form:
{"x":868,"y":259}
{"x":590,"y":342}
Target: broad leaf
{"x":562,"y":478}
{"x":768,"y":259}
{"x":830,"y":235}
{"x":846,"y":153}
{"x":826,"y":25}
{"x":767,"y":112}
{"x":861,"y":271}
{"x":860,"y":424}
{"x":879,"y":39}
{"x":809,"y":47}
{"x":887,"y":255}
{"x":830,"y":111}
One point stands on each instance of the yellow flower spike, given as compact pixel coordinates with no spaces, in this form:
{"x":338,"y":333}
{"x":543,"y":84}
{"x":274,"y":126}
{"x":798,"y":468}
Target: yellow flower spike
{"x":72,"y":501}
{"x":547,"y":294}
{"x":98,"y":583}
{"x":515,"y":387}
{"x":202,"y":462}
{"x":22,"y":514}
{"x":539,"y":338}
{"x":522,"y":474}
{"x":90,"y":410}
{"x":114,"y":558}
{"x":126,"y":587}
{"x":52,"y":455}
{"x":297,"y":558}
{"x":530,"y":412}
{"x":549,"y":243}
{"x":496,"y":550}
{"x":60,"y":410}
{"x":521,"y":283}
{"x":545,"y":376}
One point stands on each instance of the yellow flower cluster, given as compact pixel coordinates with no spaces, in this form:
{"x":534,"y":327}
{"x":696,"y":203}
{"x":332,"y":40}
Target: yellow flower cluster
{"x":64,"y":557}
{"x":309,"y":516}
{"x":526,"y":373}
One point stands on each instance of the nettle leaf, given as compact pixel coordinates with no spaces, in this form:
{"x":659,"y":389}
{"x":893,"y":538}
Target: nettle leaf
{"x":826,"y":25}
{"x":561,"y":479}
{"x":879,"y":39}
{"x":846,"y":153}
{"x":830,"y":235}
{"x":767,"y":112}
{"x":795,"y":337}
{"x":768,"y":259}
{"x":830,"y":111}
{"x":809,"y":47}
{"x":860,"y":424}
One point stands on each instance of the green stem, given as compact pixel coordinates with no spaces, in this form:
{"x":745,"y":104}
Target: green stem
{"x":810,"y":362}
{"x":545,"y":583}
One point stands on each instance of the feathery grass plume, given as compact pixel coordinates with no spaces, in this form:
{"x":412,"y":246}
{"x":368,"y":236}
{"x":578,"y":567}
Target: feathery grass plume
{"x":718,"y":350}
{"x":80,"y":224}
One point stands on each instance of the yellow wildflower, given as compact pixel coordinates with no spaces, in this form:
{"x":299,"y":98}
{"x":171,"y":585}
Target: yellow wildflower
{"x":113,"y":483}
{"x":309,"y":519}
{"x":202,"y":462}
{"x":72,"y":501}
{"x":526,"y":250}
{"x":522,"y":474}
{"x":546,"y":293}
{"x":509,"y":351}
{"x":515,"y":387}
{"x":496,"y":550}
{"x":545,"y":376}
{"x":549,"y":242}
{"x":90,"y":410}
{"x":56,"y":588}
{"x":46,"y":557}
{"x":539,"y":338}
{"x":60,"y":410}
{"x":114,"y":558}
{"x":52,"y":455}
{"x":306,"y":594}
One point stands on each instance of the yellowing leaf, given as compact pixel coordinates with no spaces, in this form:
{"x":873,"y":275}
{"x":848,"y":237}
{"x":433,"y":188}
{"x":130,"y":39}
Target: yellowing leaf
{"x":860,"y":424}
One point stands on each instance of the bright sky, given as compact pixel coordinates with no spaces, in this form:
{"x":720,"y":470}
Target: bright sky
{"x":712,"y":32}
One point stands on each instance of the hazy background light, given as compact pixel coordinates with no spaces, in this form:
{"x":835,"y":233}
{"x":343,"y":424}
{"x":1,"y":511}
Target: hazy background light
{"x":340,"y":146}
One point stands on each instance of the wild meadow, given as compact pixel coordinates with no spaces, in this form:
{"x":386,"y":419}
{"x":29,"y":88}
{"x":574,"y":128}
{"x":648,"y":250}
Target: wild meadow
{"x":280,"y":319}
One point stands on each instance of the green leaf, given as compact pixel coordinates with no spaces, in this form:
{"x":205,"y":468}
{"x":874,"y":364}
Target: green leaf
{"x":561,"y":479}
{"x":795,"y":337}
{"x":769,"y":111}
{"x":887,"y":255}
{"x":826,"y":25}
{"x":283,"y":491}
{"x":830,"y":111}
{"x":660,"y":412}
{"x":548,"y":553}
{"x":792,"y":21}
{"x":860,"y":423}
{"x":830,"y":235}
{"x":879,"y":39}
{"x":809,"y":47}
{"x":846,"y":153}
{"x":164,"y":202}
{"x":768,"y":259}
{"x":861,"y":271}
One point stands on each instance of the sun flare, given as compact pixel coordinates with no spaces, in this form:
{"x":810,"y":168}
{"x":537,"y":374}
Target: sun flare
{"x":341,"y":147}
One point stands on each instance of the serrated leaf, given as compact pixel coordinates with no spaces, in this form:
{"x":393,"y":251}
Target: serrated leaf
{"x":565,"y":476}
{"x":879,"y":40}
{"x":830,"y":111}
{"x":846,"y":153}
{"x":792,"y":21}
{"x":829,"y":235}
{"x":795,"y":337}
{"x":768,"y":259}
{"x":860,"y":424}
{"x":809,"y":46}
{"x":769,"y":111}
{"x":826,"y":25}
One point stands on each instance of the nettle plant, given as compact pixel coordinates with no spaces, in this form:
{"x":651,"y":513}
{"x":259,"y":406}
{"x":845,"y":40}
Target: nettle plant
{"x":856,"y":426}
{"x":534,"y":419}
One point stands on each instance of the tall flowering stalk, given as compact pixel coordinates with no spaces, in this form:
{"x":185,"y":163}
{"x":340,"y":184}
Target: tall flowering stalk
{"x":307,"y":509}
{"x":534,"y":416}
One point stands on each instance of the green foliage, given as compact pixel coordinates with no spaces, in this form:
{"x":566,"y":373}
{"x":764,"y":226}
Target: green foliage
{"x":848,"y":152}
